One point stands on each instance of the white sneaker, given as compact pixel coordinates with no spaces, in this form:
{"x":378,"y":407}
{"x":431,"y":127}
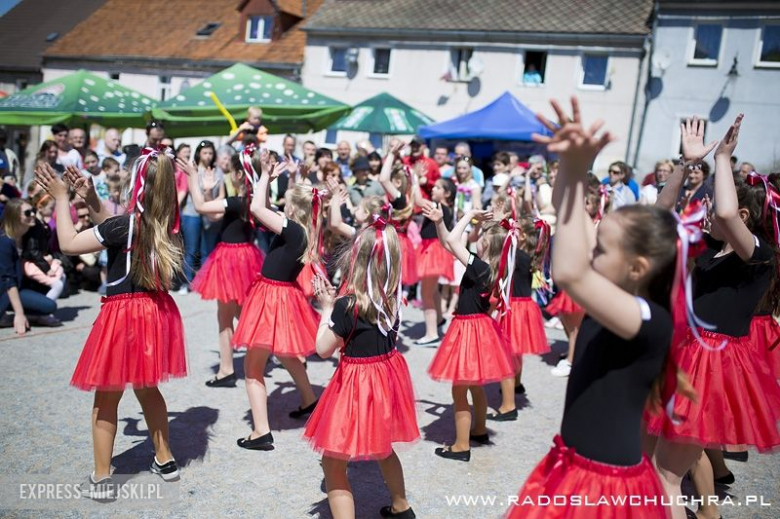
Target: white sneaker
{"x":562,"y":369}
{"x":184,"y":290}
{"x":552,"y":323}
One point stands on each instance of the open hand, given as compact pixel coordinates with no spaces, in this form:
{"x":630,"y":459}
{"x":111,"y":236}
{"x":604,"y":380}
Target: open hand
{"x":81,"y":184}
{"x":277,"y":170}
{"x":433,"y":212}
{"x":729,"y":143}
{"x":323,"y":291}
{"x":396,"y":146}
{"x":693,"y":148}
{"x":51,"y":182}
{"x":482,"y":215}
{"x":570,"y":139}
{"x":188,"y":168}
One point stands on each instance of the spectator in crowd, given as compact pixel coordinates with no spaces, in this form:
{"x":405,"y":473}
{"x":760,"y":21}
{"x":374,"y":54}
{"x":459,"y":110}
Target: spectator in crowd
{"x":49,"y":152}
{"x":111,"y":146}
{"x":663,"y":170}
{"x":375,"y":163}
{"x":322,"y":158}
{"x":696,"y":186}
{"x":252,"y":126}
{"x":155,"y":132}
{"x":442,"y":157}
{"x":343,"y":151}
{"x":425,"y":168}
{"x":108,"y":170}
{"x":500,"y":169}
{"x":43,"y":272}
{"x":363,"y":186}
{"x":29,"y":306}
{"x":288,"y":147}
{"x":85,"y":269}
{"x":91,"y":163}
{"x":627,"y":179}
{"x":462,"y":149}
{"x":309,"y":150}
{"x":225,"y":164}
{"x":745,"y":169}
{"x":531,"y":76}
{"x":77,"y":138}
{"x":621,"y":194}
{"x":66,"y":155}
{"x":9,"y":162}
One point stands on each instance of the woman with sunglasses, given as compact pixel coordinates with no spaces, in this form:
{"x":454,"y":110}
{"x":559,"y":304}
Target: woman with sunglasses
{"x":200,"y":232}
{"x":618,"y":179}
{"x":28,"y":305}
{"x":696,"y":187}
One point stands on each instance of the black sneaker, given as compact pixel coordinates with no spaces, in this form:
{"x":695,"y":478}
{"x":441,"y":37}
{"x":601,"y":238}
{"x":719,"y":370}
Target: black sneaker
{"x":168,"y":471}
{"x":103,"y":490}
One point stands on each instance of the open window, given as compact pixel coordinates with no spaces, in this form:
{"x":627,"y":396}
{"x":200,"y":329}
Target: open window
{"x":534,"y":67}
{"x":380,"y":66}
{"x":459,"y":64}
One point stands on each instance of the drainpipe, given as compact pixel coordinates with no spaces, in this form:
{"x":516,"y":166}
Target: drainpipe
{"x":642,"y":58}
{"x":656,"y":8}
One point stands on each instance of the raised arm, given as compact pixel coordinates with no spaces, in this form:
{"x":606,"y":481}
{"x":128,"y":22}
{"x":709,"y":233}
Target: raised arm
{"x":456,"y":246}
{"x":327,"y":341}
{"x":260,"y":207}
{"x":610,"y":305}
{"x":213,"y":207}
{"x":71,"y":242}
{"x":385,"y":174}
{"x":667,"y":197}
{"x":726,"y":217}
{"x":335,"y":222}
{"x":85,"y":188}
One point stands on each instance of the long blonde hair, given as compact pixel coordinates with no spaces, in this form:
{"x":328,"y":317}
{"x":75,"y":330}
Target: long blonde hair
{"x":493,"y":238}
{"x":12,"y":218}
{"x":355,"y":262}
{"x":301,"y":199}
{"x":157,"y":251}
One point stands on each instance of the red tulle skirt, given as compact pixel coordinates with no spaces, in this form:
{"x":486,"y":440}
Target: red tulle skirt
{"x":765,"y":334}
{"x":473,"y":352}
{"x":408,"y":260}
{"x":566,"y":485}
{"x":137,"y":340}
{"x":434,"y":261}
{"x":563,"y":304}
{"x":739,"y":398}
{"x":229,"y":272}
{"x":523,"y":327}
{"x":277,"y":317}
{"x":366,"y":408}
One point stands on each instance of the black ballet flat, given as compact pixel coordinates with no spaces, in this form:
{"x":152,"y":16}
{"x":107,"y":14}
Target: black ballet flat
{"x":728,"y":479}
{"x":482,"y":439}
{"x":261,"y":443}
{"x":387,"y":511}
{"x":226,"y":381}
{"x":498,"y":416}
{"x":301,"y":412}
{"x":520,"y":389}
{"x":448,"y":454}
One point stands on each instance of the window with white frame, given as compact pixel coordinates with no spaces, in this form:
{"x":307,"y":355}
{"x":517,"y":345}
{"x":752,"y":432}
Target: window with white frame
{"x":338,"y":61}
{"x":164,"y":89}
{"x":534,"y":66}
{"x":259,"y":29}
{"x":769,"y":46}
{"x":381,"y":59}
{"x":706,"y":44}
{"x":459,"y":64}
{"x":594,"y":68}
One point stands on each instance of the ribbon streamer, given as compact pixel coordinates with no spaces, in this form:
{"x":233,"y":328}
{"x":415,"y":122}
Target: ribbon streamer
{"x":771,"y":202}
{"x":603,"y":200}
{"x":506,"y":268}
{"x":385,"y":322}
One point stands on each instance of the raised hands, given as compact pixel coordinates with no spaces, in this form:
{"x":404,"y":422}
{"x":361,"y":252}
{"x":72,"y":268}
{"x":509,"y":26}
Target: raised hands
{"x":482,"y":215}
{"x":323,"y":291}
{"x":51,"y":182}
{"x":693,"y":148}
{"x":188,"y":168}
{"x":729,"y":143}
{"x":433,"y":212}
{"x":277,"y":170}
{"x":571,"y":140}
{"x":81,"y":184}
{"x":396,"y":145}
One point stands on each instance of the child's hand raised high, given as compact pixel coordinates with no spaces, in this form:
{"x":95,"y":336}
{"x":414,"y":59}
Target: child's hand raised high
{"x":482,"y":215}
{"x":570,"y":139}
{"x":433,"y":212}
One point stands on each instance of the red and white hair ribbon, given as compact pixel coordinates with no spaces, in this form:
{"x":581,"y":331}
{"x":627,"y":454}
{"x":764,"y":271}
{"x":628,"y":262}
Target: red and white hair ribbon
{"x":603,"y":200}
{"x":136,"y":204}
{"x":771,"y":203}
{"x":506,"y":267}
{"x":543,"y":245}
{"x":511,"y":193}
{"x":250,"y":175}
{"x":385,"y":322}
{"x":316,"y":205}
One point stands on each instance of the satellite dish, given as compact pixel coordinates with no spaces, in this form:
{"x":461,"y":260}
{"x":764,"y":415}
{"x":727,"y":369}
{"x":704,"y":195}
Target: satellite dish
{"x":476,"y":66}
{"x":662,"y":60}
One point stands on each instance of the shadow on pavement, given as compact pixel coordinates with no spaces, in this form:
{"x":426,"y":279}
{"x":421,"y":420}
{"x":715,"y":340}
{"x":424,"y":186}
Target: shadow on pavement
{"x":190,"y":432}
{"x":283,"y":399}
{"x":368,"y":489}
{"x":69,"y":313}
{"x":557,"y":348}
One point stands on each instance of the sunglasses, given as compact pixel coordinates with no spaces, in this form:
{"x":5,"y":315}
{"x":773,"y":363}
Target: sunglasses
{"x":28,"y":212}
{"x":83,"y":216}
{"x":615,"y":172}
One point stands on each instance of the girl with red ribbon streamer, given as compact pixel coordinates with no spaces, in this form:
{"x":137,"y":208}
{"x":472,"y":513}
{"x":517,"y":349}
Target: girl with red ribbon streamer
{"x":277,"y":318}
{"x":369,"y":404}
{"x":739,"y":398}
{"x":520,"y":316}
{"x":234,"y":264}
{"x":138,"y":338}
{"x":474,"y":351}
{"x":626,"y":289}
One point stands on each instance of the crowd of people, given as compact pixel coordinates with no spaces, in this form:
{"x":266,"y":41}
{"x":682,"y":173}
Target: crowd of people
{"x":318,"y":253}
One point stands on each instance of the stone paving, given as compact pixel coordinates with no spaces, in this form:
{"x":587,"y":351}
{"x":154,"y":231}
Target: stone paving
{"x":46,"y":435}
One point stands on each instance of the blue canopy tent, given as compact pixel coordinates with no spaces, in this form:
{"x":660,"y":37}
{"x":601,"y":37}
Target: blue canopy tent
{"x":505,"y":119}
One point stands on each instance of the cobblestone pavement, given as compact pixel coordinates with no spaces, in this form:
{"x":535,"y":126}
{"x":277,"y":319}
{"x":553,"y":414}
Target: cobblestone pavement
{"x":46,"y":435}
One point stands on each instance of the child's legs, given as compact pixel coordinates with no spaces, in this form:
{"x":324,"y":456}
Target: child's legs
{"x":462,"y":418}
{"x":342,"y":504}
{"x":226,"y":313}
{"x":301,"y":378}
{"x":672,"y":461}
{"x":704,"y":483}
{"x":254,"y":366}
{"x":104,"y":422}
{"x":393,"y":473}
{"x":507,"y":395}
{"x":479,"y":399}
{"x":156,"y":416}
{"x":428,"y":290}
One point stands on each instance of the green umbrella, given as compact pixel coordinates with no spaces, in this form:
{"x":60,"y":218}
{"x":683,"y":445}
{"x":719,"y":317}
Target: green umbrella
{"x":287,"y":107}
{"x":76,"y":99}
{"x":383,"y":114}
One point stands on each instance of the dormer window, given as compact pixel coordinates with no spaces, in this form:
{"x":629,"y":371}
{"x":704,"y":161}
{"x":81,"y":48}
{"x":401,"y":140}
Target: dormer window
{"x":207,"y":30}
{"x":259,"y":29}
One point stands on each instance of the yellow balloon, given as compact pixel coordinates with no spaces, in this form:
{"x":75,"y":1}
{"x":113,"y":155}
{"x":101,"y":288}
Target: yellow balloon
{"x":223,"y":110}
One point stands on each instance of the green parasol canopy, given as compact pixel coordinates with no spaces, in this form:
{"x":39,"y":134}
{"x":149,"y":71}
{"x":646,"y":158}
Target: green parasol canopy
{"x":383,"y":114}
{"x":76,"y":99}
{"x":287,"y":107}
